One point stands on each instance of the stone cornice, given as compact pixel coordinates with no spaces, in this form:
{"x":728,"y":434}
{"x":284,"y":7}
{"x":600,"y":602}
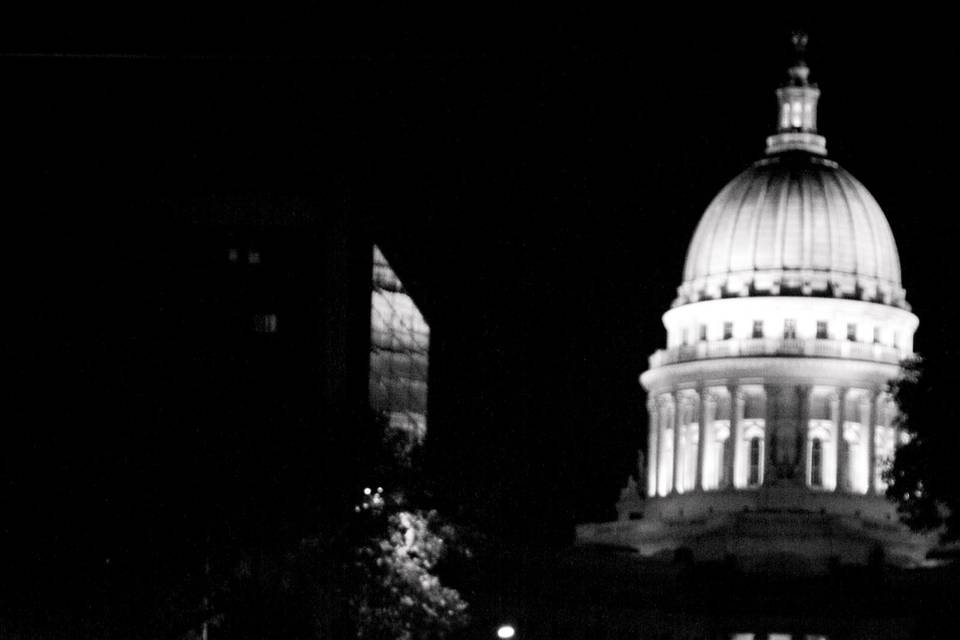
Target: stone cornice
{"x":771,"y":370}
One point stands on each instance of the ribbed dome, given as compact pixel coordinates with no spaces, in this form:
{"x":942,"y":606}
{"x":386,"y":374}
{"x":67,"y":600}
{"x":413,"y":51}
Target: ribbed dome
{"x":794,"y":223}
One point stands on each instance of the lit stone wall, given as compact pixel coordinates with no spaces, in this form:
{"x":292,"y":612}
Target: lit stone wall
{"x":864,"y":326}
{"x":399,"y":353}
{"x":775,"y":391}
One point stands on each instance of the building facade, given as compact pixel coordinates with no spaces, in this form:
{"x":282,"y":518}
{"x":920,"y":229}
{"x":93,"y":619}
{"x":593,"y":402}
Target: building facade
{"x":770,"y":416}
{"x":399,"y":357}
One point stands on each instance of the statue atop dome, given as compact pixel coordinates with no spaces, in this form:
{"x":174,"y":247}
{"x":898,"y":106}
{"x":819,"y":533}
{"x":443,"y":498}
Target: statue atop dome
{"x":799,"y":39}
{"x":799,"y":71}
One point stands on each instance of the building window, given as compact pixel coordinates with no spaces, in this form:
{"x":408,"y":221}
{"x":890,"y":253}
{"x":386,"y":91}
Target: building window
{"x":821,"y":329}
{"x":253,"y":257}
{"x":789,"y":329}
{"x":816,"y":463}
{"x":851,"y":332}
{"x":703,"y":333}
{"x":233,"y":255}
{"x":265,"y":323}
{"x":757,"y":329}
{"x":876,"y":335}
{"x":756,"y":450}
{"x":727,"y":330}
{"x":796,"y":115}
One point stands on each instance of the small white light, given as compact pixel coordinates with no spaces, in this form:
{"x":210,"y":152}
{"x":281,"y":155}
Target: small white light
{"x":506,"y":631}
{"x":366,"y":491}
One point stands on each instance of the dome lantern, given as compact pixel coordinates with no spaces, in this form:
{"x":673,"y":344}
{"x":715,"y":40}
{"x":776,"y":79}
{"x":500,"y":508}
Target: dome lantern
{"x":797,"y":108}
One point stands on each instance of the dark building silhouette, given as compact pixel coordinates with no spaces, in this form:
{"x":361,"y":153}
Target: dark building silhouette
{"x":269,"y":309}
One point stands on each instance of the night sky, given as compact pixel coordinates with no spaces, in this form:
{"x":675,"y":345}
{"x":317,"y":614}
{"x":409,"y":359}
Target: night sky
{"x":535,"y":191}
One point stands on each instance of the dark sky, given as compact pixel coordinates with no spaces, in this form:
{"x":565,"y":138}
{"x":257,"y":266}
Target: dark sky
{"x":535,"y":190}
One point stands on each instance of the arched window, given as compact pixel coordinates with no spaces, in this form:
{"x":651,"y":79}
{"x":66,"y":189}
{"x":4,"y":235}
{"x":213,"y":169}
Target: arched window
{"x":796,"y":115}
{"x":822,"y":330}
{"x":789,"y":329}
{"x":756,"y":444}
{"x":851,"y":332}
{"x":816,"y":463}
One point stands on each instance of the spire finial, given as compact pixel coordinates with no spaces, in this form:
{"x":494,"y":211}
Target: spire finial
{"x":799,"y":39}
{"x":799,"y":72}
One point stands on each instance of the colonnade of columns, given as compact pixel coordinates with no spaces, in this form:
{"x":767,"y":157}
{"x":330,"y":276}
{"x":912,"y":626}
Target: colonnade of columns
{"x":742,"y":436}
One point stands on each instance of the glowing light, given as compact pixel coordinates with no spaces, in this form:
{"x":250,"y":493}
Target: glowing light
{"x":506,"y":631}
{"x":366,"y":491}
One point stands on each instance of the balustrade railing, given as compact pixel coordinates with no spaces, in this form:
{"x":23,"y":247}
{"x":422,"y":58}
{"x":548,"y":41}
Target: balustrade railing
{"x":746,"y":347}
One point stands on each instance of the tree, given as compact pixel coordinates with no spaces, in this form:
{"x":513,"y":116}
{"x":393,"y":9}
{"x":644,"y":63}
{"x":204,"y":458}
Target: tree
{"x":398,"y":595}
{"x":370,"y":573}
{"x":923,"y":478}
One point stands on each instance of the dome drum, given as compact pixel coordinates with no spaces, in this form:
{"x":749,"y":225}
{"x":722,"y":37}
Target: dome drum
{"x":786,"y":326}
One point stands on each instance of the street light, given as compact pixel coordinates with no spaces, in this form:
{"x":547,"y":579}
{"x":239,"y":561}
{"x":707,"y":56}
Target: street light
{"x":506,"y":631}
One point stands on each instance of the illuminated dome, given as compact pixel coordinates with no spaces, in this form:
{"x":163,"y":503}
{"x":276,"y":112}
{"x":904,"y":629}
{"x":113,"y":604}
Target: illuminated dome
{"x":794,"y":223}
{"x":771,"y":420}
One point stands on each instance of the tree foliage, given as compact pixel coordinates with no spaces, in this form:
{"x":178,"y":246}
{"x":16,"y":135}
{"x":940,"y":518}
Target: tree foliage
{"x":373,"y":572}
{"x":399,"y":595}
{"x":923,"y":478}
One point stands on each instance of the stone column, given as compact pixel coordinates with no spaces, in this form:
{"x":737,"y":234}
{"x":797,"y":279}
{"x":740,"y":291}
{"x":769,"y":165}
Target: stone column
{"x":770,"y":410}
{"x":702,"y":443}
{"x":843,"y":457}
{"x":803,"y":429}
{"x":677,"y":410}
{"x":665,"y":421}
{"x":653,"y":445}
{"x":890,"y":418}
{"x":730,"y":447}
{"x":837,"y":437}
{"x":868,"y":427}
